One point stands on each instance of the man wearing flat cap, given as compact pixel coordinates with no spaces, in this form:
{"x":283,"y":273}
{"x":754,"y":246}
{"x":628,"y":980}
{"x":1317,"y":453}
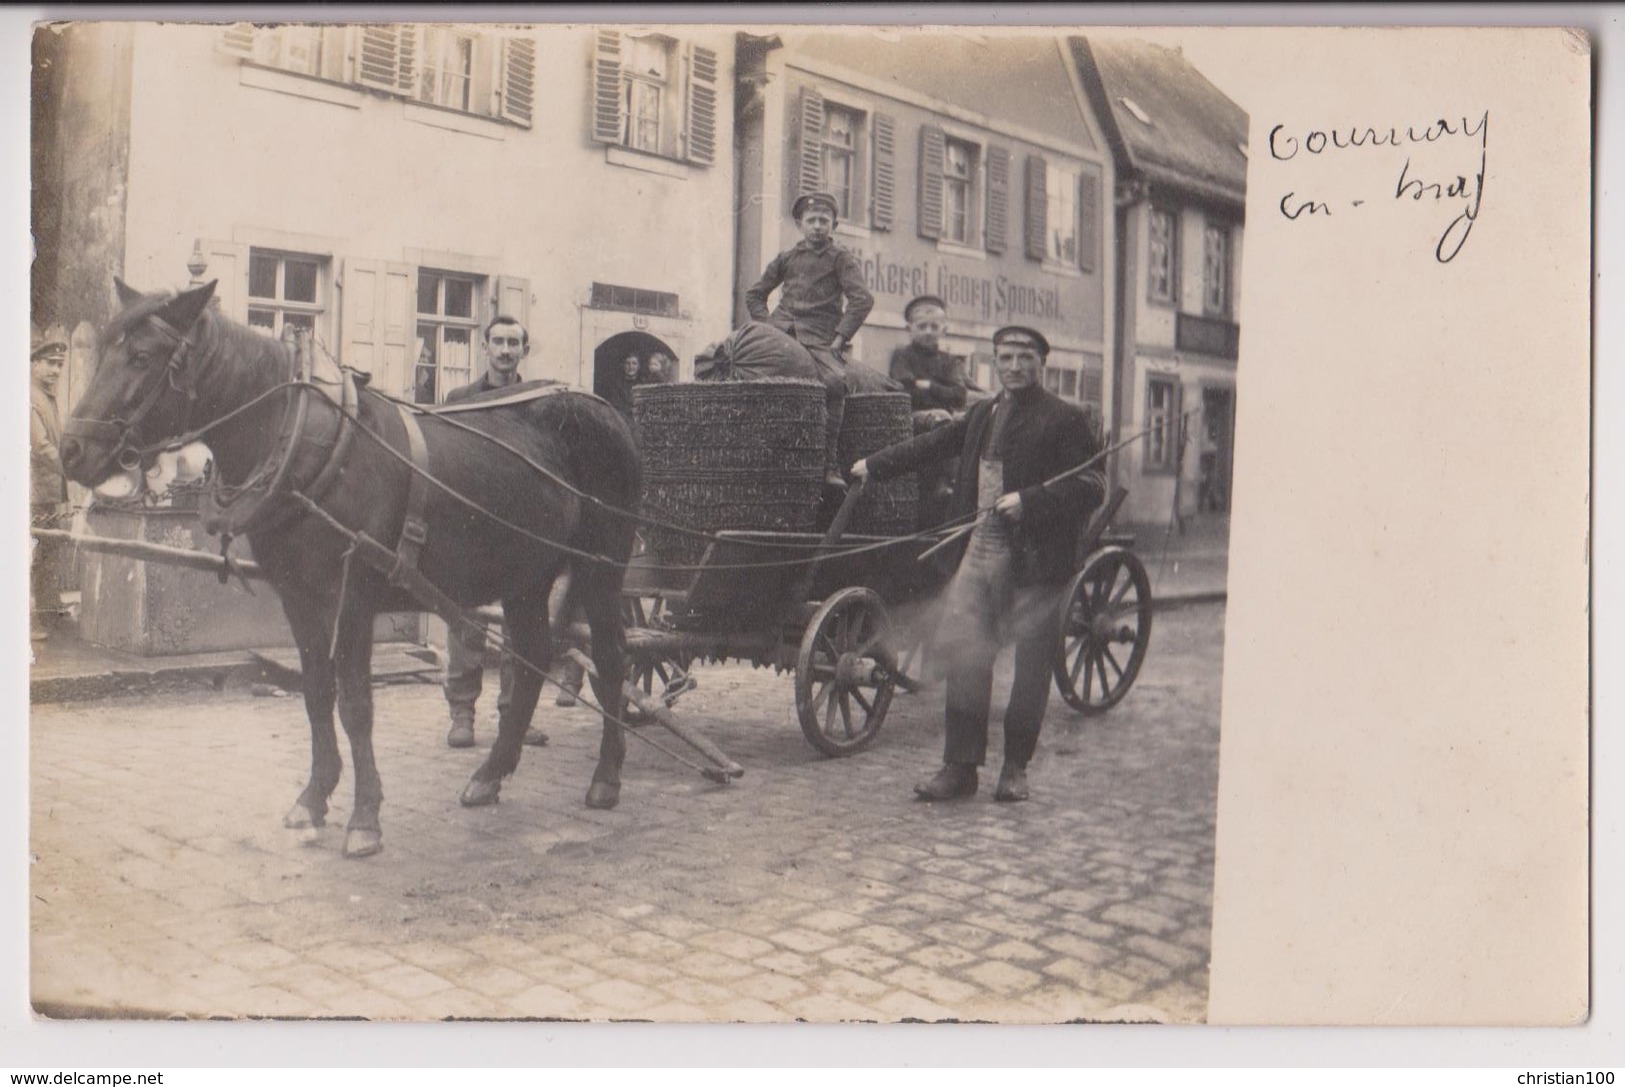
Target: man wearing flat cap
{"x":48,"y":500}
{"x":1016,"y":560}
{"x":822,"y":304}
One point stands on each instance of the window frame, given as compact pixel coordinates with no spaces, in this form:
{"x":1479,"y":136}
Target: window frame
{"x":279,"y":305}
{"x":856,"y":153}
{"x":1222,"y":232}
{"x":972,"y":187}
{"x":441,"y":36}
{"x":1161,"y":450}
{"x":440,"y":321}
{"x":666,"y":91}
{"x":1061,"y":190}
{"x":1169,"y":294}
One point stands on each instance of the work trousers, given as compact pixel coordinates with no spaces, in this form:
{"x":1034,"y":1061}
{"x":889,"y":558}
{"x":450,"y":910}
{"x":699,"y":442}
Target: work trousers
{"x":837,"y":384}
{"x":465,"y":668}
{"x":45,"y":580}
{"x":983,"y":610}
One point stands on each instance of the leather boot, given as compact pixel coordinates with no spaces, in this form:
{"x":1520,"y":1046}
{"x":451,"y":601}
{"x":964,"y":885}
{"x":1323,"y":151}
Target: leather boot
{"x":570,"y":684}
{"x":1012,"y":784}
{"x":462,"y":727}
{"x":953,"y":781}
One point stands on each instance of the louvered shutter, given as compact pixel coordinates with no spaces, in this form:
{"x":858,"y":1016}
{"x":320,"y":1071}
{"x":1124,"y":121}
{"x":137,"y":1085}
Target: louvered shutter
{"x":933,"y":145}
{"x":237,"y":40}
{"x":883,"y":209}
{"x":606,"y":87}
{"x":810,"y":175}
{"x":701,"y":144}
{"x":998,"y":199}
{"x":1037,"y":209}
{"x":518,"y":79}
{"x":1088,"y":220}
{"x":386,"y":58}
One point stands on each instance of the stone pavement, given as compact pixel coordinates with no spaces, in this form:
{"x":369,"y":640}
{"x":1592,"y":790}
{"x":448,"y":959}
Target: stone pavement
{"x":164,"y":885}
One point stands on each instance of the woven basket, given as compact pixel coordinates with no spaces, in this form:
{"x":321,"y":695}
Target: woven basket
{"x":874,"y":421}
{"x":729,"y":455}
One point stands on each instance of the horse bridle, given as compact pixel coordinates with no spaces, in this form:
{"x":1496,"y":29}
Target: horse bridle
{"x":125,"y":435}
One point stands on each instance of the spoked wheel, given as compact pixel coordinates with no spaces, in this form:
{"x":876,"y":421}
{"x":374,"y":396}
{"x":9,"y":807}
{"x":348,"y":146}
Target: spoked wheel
{"x":664,"y":679}
{"x":1105,"y":628}
{"x":846,"y":672}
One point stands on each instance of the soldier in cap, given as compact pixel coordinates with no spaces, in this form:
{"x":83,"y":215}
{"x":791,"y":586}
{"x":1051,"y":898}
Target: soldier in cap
{"x":1017,"y":558}
{"x":822,"y":304}
{"x":48,"y":500}
{"x":937,"y":387}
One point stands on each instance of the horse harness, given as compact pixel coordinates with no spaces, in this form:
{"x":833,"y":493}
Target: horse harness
{"x":124,"y":434}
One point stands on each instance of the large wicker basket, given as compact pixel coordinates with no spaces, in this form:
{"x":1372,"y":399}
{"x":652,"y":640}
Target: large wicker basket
{"x":874,"y":421}
{"x":729,"y":455}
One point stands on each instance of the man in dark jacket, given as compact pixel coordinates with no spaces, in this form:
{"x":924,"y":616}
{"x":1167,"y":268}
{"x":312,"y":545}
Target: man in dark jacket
{"x":1007,"y":584}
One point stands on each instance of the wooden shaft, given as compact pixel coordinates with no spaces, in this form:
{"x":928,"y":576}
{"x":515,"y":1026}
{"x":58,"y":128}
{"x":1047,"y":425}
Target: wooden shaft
{"x":140,"y":549}
{"x":661,"y":714}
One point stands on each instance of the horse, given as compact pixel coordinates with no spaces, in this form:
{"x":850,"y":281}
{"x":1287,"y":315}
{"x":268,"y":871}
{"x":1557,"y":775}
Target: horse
{"x":495,"y":527}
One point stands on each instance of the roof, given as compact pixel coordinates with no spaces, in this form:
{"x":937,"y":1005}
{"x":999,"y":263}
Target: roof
{"x":1165,"y":121}
{"x":1017,"y":77}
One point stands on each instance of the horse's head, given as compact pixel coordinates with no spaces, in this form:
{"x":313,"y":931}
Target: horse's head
{"x":143,"y":386}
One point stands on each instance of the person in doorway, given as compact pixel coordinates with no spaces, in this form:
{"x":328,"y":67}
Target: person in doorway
{"x":1012,"y":449}
{"x":822,"y":305}
{"x":48,"y":500}
{"x":506,"y":344}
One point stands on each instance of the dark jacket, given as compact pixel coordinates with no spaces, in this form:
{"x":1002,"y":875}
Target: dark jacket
{"x":481,"y":384}
{"x":946,"y":372}
{"x":1042,"y":437}
{"x":815,"y":283}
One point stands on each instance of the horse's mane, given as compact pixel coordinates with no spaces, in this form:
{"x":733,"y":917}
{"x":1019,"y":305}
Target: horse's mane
{"x":214,"y":336}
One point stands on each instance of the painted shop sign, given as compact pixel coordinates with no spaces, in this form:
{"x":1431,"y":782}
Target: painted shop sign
{"x":988,"y":297}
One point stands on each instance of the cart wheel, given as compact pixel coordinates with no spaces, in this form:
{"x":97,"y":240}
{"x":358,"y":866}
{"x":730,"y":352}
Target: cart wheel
{"x":1105,"y":628}
{"x":846,"y":672}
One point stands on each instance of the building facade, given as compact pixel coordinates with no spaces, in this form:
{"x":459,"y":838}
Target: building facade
{"x":1180,"y":146}
{"x":391,"y":188}
{"x":966,"y":166}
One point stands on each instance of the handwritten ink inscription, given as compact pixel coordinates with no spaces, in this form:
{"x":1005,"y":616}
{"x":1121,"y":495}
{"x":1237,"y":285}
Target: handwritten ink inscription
{"x":1457,"y":191}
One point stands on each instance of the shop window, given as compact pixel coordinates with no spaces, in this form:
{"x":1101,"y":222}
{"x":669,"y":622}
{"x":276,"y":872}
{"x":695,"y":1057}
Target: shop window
{"x":484,"y":73}
{"x":286,"y":292}
{"x":448,"y":333}
{"x":1161,"y":423}
{"x":1069,"y":384}
{"x":1216,"y":270}
{"x":1162,"y":257}
{"x":652,"y":94}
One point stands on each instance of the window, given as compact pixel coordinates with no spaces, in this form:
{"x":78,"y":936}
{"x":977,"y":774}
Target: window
{"x":1162,"y":423}
{"x":958,"y":185}
{"x":1216,"y":269}
{"x":652,"y":94}
{"x":635,"y":300}
{"x":1162,"y":259}
{"x":446,"y":75}
{"x":285,"y":291}
{"x":448,"y":329}
{"x":486,"y":73}
{"x":842,"y":129}
{"x":1061,"y":214}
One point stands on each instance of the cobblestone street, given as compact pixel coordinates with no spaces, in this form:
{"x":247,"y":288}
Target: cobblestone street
{"x":164,"y":884}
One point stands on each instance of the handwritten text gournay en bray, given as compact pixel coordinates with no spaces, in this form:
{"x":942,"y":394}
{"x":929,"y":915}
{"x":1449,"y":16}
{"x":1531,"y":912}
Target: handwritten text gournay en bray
{"x":1463,"y":193}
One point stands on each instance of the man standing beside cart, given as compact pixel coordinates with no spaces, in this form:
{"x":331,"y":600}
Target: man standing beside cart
{"x":1018,"y":557}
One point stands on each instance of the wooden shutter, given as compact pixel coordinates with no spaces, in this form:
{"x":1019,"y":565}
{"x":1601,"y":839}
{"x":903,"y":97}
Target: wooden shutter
{"x":998,"y":199}
{"x":933,"y":145}
{"x":237,"y":40}
{"x":377,"y":303}
{"x":228,"y":265}
{"x":810,"y":175}
{"x":701,"y":107}
{"x":386,"y":58}
{"x":606,"y":86}
{"x":1088,"y":220}
{"x":512,"y":299}
{"x":518,"y":79}
{"x":1037,"y":209}
{"x":883,"y":209}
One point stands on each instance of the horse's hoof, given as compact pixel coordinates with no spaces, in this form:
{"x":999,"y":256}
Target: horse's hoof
{"x":363,"y":843}
{"x":603,"y":795}
{"x":477,"y":793}
{"x":300,"y":817}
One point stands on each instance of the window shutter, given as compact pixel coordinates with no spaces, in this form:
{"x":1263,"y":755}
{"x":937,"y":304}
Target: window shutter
{"x":883,"y":209}
{"x":998,"y":199}
{"x":933,"y":144}
{"x":606,"y":86}
{"x":518,"y":79}
{"x":385,"y":61}
{"x":1037,"y":209}
{"x":237,"y":40}
{"x":512,"y":299}
{"x":228,"y":264}
{"x":701,"y":145}
{"x":810,"y":177}
{"x":1088,"y":220}
{"x":376,"y":321}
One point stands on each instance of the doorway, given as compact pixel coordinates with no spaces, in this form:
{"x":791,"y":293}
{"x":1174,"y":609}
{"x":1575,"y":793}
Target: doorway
{"x":1217,"y":455}
{"x":628,"y":359}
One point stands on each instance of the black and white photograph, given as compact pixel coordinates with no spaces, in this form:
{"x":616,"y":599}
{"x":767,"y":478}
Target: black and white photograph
{"x":708,"y":523}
